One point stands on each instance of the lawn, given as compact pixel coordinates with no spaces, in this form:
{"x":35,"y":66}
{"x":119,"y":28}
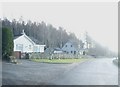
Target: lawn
{"x":59,"y":60}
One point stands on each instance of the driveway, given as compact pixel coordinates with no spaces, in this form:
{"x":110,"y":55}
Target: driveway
{"x":32,"y":73}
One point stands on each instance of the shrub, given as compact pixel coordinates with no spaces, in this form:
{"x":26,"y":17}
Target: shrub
{"x":7,"y":43}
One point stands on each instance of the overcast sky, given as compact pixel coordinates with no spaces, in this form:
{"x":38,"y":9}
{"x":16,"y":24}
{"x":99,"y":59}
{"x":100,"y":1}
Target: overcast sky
{"x":99,"y":19}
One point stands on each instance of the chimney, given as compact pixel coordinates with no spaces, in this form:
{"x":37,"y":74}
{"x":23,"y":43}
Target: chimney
{"x":23,"y":32}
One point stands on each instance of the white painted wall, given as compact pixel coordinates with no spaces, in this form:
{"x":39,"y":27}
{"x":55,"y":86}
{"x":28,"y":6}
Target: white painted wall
{"x":27,"y":45}
{"x":69,"y":48}
{"x":40,"y":48}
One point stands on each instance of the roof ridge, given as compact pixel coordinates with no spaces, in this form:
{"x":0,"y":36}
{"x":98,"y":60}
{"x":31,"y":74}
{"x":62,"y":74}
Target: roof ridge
{"x":29,"y":39}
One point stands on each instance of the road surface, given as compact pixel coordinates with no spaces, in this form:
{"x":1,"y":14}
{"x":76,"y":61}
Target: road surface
{"x":100,"y":71}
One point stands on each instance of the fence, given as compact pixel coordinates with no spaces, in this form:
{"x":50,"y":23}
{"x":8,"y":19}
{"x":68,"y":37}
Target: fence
{"x":54,"y":56}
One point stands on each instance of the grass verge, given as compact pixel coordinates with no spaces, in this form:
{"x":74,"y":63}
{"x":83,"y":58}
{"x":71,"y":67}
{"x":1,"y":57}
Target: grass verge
{"x":59,"y":60}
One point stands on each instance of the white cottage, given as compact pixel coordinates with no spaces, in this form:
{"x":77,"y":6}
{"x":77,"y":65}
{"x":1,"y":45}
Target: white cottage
{"x":25,"y":45}
{"x":70,"y":48}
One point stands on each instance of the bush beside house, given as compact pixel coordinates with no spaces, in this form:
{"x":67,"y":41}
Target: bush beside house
{"x":7,"y":43}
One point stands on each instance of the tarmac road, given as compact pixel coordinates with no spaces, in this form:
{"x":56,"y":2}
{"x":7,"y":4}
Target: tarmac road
{"x":99,"y":71}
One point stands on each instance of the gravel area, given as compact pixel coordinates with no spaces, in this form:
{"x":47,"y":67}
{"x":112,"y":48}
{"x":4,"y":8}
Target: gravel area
{"x":32,"y":73}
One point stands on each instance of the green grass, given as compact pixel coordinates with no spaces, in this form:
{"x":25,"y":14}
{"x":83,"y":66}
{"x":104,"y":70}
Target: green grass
{"x":59,"y":60}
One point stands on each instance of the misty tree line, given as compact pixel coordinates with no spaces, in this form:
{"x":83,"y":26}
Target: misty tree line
{"x":44,"y":33}
{"x":97,"y":49}
{"x":53,"y":37}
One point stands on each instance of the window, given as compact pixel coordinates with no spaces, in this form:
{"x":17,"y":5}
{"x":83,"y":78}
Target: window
{"x":83,"y":52}
{"x":74,"y":52}
{"x":71,"y":45}
{"x":66,"y":46}
{"x":19,"y":47}
{"x":30,"y":46}
{"x":71,"y":51}
{"x":35,"y":49}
